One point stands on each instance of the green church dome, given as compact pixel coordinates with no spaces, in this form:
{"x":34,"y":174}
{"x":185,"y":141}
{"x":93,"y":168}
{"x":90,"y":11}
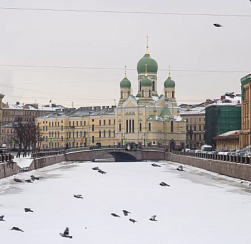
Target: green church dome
{"x":169,"y":83}
{"x":152,"y":66}
{"x":146,"y":82}
{"x":125,"y":83}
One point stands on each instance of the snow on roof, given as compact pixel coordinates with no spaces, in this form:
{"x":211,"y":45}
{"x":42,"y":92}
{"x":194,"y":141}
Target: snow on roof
{"x":231,"y":133}
{"x":177,"y":118}
{"x":196,"y":110}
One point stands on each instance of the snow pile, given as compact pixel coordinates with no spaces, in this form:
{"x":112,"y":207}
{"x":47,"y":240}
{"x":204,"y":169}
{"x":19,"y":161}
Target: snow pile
{"x":195,"y":209}
{"x":23,"y":162}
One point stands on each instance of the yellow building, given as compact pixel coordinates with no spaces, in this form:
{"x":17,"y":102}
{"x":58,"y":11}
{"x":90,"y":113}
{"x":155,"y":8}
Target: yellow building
{"x":86,"y":126}
{"x":195,"y":125}
{"x":146,"y":119}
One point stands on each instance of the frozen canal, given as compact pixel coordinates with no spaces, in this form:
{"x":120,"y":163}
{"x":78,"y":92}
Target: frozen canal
{"x":197,"y":208}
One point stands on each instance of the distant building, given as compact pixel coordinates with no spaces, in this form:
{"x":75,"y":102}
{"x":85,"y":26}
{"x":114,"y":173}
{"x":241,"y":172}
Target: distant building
{"x":228,"y":140}
{"x":245,"y":138}
{"x":222,"y":116}
{"x":195,"y":124}
{"x":87,"y":126}
{"x":25,"y":112}
{"x":8,"y":133}
{"x":1,"y":117}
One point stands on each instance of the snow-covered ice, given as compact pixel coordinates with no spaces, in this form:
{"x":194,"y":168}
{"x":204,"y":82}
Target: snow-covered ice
{"x":197,"y":208}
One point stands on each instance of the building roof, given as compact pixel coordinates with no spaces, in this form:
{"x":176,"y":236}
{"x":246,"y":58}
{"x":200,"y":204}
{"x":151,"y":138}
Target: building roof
{"x":193,"y":111}
{"x":152,"y":66}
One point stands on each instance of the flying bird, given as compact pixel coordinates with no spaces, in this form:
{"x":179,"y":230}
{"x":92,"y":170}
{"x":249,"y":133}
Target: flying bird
{"x":17,"y":180}
{"x":78,"y":196}
{"x":155,"y":165}
{"x":164,"y":184}
{"x":126,"y":212}
{"x":66,"y":233}
{"x":133,"y":220}
{"x":17,"y":229}
{"x":28,"y":210}
{"x":96,"y":168}
{"x":1,"y":218}
{"x":217,"y":25}
{"x":153,"y":218}
{"x":115,"y":215}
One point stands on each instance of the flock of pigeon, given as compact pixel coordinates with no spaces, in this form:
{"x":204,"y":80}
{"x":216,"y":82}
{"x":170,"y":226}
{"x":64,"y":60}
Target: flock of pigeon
{"x":79,"y":196}
{"x":125,"y":212}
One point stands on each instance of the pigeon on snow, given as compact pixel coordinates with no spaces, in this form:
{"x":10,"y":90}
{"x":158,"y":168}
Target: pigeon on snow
{"x":17,"y":229}
{"x":126,"y":212}
{"x":66,"y":233}
{"x":153,"y":218}
{"x":217,"y":25}
{"x":28,"y":210}
{"x":1,"y":218}
{"x":78,"y":196}
{"x":164,"y":184}
{"x":115,"y":215}
{"x":133,"y":220}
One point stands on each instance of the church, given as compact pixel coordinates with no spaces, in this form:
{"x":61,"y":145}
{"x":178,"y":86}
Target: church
{"x":149,"y":118}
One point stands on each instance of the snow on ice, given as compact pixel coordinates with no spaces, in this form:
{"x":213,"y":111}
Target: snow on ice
{"x":197,"y":208}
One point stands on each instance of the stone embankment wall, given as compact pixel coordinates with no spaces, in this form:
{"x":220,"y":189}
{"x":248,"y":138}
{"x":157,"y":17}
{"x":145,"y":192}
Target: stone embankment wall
{"x":8,"y":169}
{"x":46,"y":161}
{"x":235,"y":170}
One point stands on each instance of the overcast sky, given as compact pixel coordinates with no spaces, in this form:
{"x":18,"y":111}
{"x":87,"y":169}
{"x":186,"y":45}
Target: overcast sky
{"x":111,"y":41}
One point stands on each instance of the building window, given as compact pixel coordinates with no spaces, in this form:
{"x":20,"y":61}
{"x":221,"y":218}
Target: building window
{"x":92,"y":120}
{"x":199,"y":119}
{"x":76,"y":134}
{"x":126,"y":126}
{"x":84,"y":123}
{"x":114,"y":133}
{"x":81,"y":123}
{"x":81,"y":134}
{"x":171,"y":126}
{"x":76,"y":123}
{"x":69,"y":123}
{"x":199,"y":136}
{"x":133,"y":126}
{"x":109,"y":133}
{"x":49,"y":124}
{"x":194,"y":128}
{"x":194,"y":137}
{"x":130,"y":126}
{"x":69,"y":134}
{"x":62,"y":127}
{"x":104,"y":121}
{"x":140,"y":127}
{"x":191,"y":120}
{"x":104,"y":133}
{"x":149,"y":126}
{"x":191,"y":128}
{"x":194,"y":120}
{"x":84,"y":133}
{"x":58,"y":134}
{"x":92,"y":127}
{"x":109,"y":122}
{"x":187,"y":120}
{"x":92,"y":139}
{"x":73,"y":123}
{"x":187,"y":127}
{"x":99,"y":134}
{"x":114,"y":121}
{"x":100,"y":122}
{"x":119,"y":127}
{"x":62,"y":138}
{"x":153,"y":86}
{"x":199,"y":127}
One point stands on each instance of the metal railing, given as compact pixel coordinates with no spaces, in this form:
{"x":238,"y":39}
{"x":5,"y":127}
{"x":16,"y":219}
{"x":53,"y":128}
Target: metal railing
{"x":219,"y":157}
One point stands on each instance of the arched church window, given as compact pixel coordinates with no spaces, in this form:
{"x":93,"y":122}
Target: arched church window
{"x":165,"y":93}
{"x":140,"y":86}
{"x":153,"y":86}
{"x":173,"y":94}
{"x":149,"y":93}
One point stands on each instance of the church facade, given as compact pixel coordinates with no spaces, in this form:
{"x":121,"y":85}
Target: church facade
{"x":149,"y":118}
{"x":146,"y":118}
